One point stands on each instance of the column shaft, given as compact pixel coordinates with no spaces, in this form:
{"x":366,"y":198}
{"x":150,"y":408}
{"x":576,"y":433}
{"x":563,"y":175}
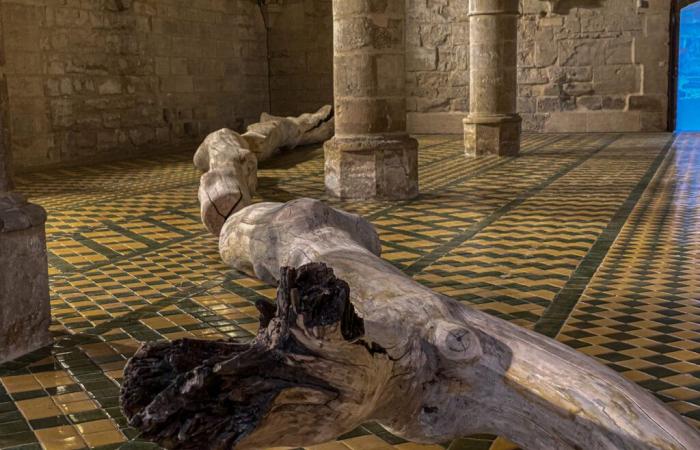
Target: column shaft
{"x":371,"y":155}
{"x":6,"y":183}
{"x":25,"y":314}
{"x":493,"y":125}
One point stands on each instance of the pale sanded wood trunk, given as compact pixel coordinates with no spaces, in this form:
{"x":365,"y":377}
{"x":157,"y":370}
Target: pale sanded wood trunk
{"x":374,"y":345}
{"x":229,"y":161}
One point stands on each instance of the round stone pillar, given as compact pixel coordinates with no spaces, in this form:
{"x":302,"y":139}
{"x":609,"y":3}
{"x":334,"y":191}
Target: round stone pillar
{"x":25,"y":314}
{"x":371,"y":155}
{"x":493,"y":125}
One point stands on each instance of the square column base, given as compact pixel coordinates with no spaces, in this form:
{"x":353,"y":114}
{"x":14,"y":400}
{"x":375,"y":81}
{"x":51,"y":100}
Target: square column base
{"x":372,"y":168}
{"x":25,"y":314}
{"x":499,"y":137}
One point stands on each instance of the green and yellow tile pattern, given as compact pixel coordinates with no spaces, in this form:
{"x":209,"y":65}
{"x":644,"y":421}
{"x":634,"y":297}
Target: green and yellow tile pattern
{"x":591,"y":239}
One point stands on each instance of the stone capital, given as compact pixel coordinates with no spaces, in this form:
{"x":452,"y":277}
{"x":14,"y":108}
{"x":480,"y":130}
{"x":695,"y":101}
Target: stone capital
{"x":16,"y":214}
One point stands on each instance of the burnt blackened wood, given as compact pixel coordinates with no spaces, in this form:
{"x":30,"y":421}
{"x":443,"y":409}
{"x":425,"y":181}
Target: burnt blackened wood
{"x":428,"y":368}
{"x":192,"y":394}
{"x":322,"y":299}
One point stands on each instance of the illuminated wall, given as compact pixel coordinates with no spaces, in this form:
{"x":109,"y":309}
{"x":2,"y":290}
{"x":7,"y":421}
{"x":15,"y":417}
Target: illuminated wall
{"x":688,"y":118}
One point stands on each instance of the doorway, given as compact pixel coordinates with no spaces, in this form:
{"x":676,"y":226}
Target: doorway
{"x":687,"y":90}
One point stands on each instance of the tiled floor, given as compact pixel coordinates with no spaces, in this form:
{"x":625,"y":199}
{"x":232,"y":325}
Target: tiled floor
{"x":593,"y":239}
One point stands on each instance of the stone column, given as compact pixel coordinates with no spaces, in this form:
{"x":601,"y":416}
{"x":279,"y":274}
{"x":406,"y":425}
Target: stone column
{"x":25,"y":313}
{"x":371,"y":155}
{"x":493,"y":125}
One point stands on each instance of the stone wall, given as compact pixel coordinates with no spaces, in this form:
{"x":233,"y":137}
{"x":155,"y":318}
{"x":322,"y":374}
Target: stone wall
{"x":584,"y":65}
{"x":301,"y":55}
{"x":600,"y":67}
{"x":105,"y":78}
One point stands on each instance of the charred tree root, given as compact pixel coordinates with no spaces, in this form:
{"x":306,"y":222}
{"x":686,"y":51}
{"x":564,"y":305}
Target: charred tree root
{"x":426,"y":367}
{"x":431,"y":369}
{"x":192,"y":394}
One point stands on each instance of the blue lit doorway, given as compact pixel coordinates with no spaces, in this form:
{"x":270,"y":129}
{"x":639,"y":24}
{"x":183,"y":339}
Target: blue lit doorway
{"x":687,"y":94}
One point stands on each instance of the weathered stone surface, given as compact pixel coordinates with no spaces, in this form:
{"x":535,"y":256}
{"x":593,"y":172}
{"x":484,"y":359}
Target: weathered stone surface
{"x":595,"y":121}
{"x":24,"y":284}
{"x":435,"y":122}
{"x":371,"y":155}
{"x":501,"y":138}
{"x":620,"y":47}
{"x":24,"y":281}
{"x":493,"y":126}
{"x":650,"y":103}
{"x":89,"y":80}
{"x":19,"y":215}
{"x":366,"y":168}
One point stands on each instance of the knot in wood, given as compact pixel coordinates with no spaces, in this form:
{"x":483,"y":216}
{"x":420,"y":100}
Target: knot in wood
{"x":456,"y":342}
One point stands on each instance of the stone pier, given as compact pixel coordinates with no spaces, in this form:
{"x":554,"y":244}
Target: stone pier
{"x":25,"y":313}
{"x":493,"y":125}
{"x":371,"y":155}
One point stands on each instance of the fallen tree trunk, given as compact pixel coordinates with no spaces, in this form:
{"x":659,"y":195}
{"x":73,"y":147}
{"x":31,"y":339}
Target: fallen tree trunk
{"x":229,"y":161}
{"x":274,"y":132}
{"x":229,"y":179}
{"x":426,"y":367}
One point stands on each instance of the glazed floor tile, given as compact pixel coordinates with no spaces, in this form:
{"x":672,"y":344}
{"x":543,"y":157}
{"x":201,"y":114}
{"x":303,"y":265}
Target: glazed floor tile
{"x":592,"y":239}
